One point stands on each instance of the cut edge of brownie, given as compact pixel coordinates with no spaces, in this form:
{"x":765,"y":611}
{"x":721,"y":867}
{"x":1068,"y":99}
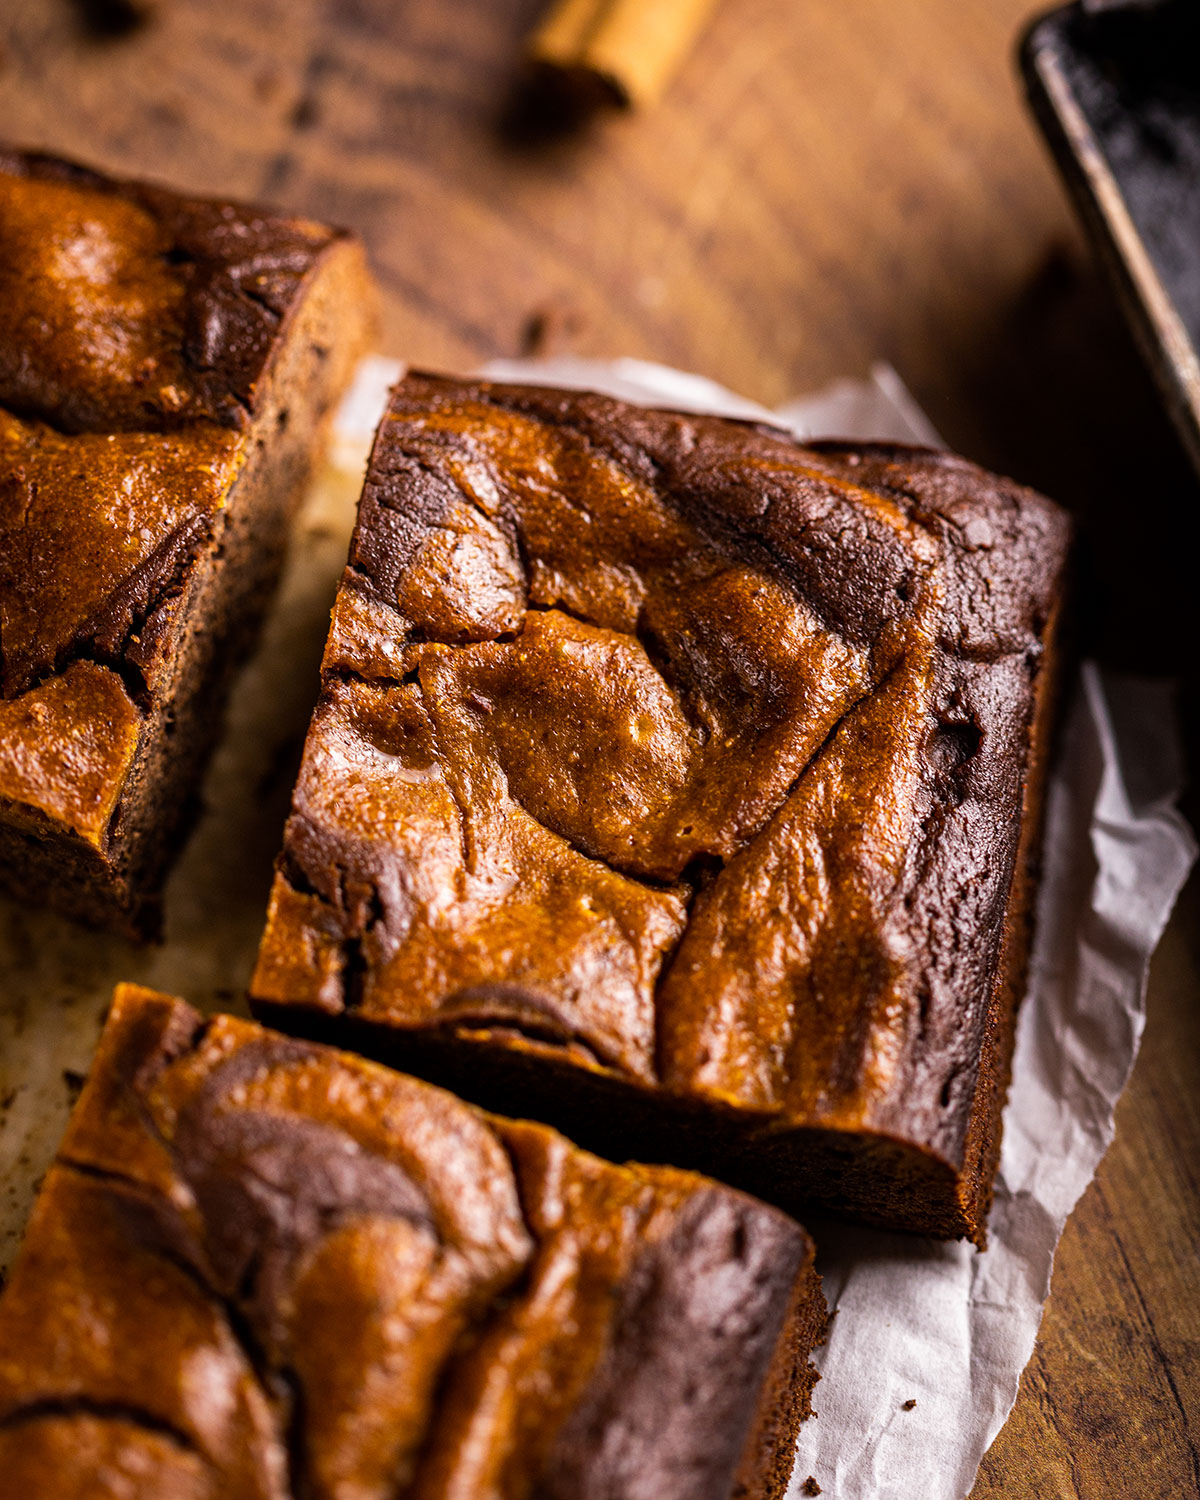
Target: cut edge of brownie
{"x":794,"y":1168}
{"x":206,"y":630}
{"x":770,"y":1457}
{"x":985,"y":1130}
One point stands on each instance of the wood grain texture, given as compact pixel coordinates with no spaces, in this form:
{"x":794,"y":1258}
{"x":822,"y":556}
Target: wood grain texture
{"x":1110,"y":1404}
{"x":825,"y":184}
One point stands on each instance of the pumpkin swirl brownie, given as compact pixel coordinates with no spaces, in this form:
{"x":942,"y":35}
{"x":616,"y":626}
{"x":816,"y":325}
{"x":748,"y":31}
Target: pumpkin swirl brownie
{"x":260,"y":1268}
{"x":680,"y":785}
{"x":165,"y":366}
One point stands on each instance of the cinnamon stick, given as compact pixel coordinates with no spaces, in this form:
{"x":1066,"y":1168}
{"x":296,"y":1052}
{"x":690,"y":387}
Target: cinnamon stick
{"x":630,"y":47}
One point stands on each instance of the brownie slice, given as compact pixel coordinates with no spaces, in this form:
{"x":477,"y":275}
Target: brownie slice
{"x":263,"y":1268}
{"x":165,"y":367}
{"x":680,"y":784}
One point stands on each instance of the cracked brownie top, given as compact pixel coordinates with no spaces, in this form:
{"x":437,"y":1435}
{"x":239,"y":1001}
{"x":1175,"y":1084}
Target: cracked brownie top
{"x":669,"y":745}
{"x":136,"y":329}
{"x":262,"y":1268}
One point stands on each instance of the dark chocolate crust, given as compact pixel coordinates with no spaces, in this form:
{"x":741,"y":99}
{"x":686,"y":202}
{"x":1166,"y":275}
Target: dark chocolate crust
{"x":264,"y":1268}
{"x":165,"y":366}
{"x":689,"y":776}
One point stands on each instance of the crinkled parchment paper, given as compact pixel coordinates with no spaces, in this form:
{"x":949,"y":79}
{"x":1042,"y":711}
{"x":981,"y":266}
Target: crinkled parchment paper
{"x":941,"y":1325}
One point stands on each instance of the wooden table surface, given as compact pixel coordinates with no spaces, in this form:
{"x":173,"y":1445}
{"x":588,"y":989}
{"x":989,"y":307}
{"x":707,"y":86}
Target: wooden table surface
{"x":827,"y":183}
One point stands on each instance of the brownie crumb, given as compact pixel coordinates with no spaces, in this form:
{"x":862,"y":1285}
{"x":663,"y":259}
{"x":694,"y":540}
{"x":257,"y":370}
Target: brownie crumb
{"x":810,"y":1487}
{"x":74,"y":1082}
{"x":910,"y":1403}
{"x":554,"y":329}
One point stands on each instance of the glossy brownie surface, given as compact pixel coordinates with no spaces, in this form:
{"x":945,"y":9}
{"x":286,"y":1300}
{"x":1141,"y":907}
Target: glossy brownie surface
{"x":137,"y":332}
{"x":125,"y":307}
{"x":678,"y":751}
{"x":260,"y":1267}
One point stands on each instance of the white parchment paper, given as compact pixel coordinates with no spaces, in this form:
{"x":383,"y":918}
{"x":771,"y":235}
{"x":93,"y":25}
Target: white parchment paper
{"x":917,"y":1320}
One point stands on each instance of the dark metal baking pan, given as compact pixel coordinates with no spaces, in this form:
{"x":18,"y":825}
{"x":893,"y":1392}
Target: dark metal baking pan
{"x":1116,"y":90}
